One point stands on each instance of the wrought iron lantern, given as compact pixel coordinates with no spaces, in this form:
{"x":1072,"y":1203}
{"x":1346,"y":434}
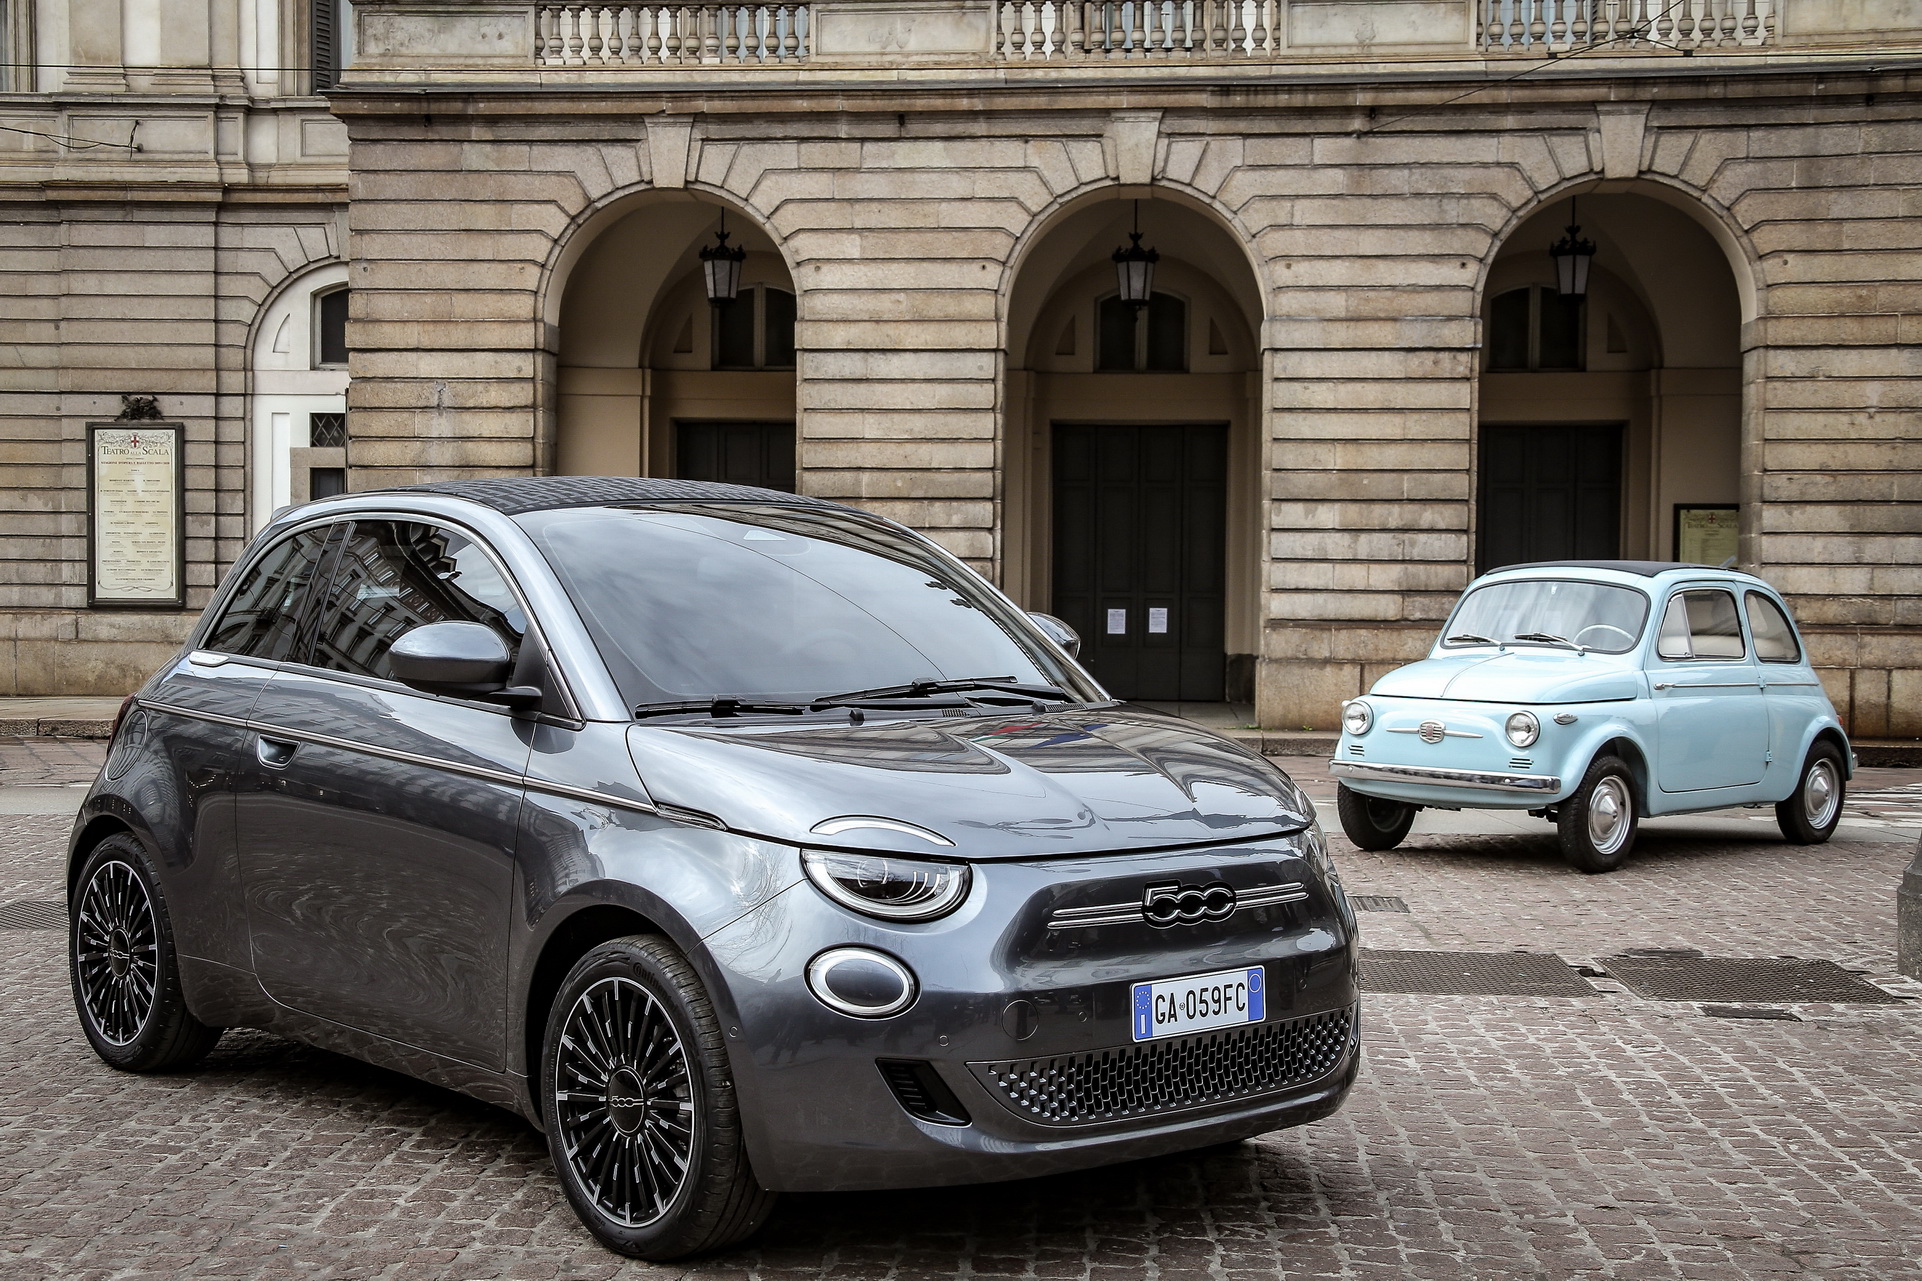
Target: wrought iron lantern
{"x":721,"y":267}
{"x":1135,"y":267}
{"x":1572,"y":257}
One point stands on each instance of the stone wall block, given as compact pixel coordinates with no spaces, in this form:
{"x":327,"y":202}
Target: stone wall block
{"x":1307,"y":696}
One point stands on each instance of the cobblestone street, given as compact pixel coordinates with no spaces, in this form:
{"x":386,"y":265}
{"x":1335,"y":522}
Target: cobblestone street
{"x":1604,"y":1135}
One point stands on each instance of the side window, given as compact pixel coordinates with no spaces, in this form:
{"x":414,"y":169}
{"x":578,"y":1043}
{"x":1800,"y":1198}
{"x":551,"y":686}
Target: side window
{"x":1774,"y":638}
{"x":263,"y":618}
{"x":1701,"y":625}
{"x":395,"y":575}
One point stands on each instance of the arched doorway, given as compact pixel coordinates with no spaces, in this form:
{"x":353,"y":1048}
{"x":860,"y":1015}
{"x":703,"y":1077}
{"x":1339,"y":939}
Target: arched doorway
{"x":1132,"y":460}
{"x":298,"y":414}
{"x":656,"y":381}
{"x":1610,"y":426}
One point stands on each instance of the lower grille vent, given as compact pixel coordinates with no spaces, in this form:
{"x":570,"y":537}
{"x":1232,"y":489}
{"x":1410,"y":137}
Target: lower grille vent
{"x":922,"y":1093}
{"x":1356,"y":749}
{"x":1520,"y":762}
{"x":1164,"y":1076}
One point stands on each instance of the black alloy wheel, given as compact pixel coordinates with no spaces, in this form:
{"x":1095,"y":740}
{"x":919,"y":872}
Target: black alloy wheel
{"x":639,"y":1106}
{"x":126,"y":984}
{"x":1372,"y":822}
{"x":1811,"y":815}
{"x":1599,"y":822}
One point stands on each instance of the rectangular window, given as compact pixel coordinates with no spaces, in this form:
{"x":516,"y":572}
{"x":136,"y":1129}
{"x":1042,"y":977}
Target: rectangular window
{"x":734,"y":332}
{"x":326,"y":482}
{"x":327,"y":431}
{"x":1701,"y":625}
{"x":330,"y":329}
{"x":1115,"y":337}
{"x":778,"y":328}
{"x":1774,"y":638}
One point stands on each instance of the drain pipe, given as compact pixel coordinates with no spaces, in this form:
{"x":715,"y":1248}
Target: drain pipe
{"x":1908,"y":918}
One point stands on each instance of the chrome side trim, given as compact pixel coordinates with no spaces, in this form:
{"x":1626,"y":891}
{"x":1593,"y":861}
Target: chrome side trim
{"x":1488,"y":780}
{"x":865,"y":822}
{"x":212,"y":718}
{"x":1082,"y":918}
{"x":1708,"y":684}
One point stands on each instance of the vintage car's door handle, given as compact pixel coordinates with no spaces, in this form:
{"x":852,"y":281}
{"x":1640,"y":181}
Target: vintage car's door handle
{"x":274,"y":752}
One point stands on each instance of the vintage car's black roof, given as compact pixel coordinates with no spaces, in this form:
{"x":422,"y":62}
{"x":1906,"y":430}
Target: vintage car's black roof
{"x":517,"y":495}
{"x":1646,"y":568}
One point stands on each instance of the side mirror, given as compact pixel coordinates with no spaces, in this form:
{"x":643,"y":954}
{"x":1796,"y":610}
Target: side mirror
{"x":1058,"y":632}
{"x":451,"y":658}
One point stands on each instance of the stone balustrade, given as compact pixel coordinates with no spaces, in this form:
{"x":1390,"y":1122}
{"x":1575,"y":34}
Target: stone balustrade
{"x":1563,"y":26}
{"x":668,"y":35}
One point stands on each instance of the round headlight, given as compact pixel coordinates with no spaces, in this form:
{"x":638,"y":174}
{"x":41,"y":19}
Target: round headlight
{"x":1523,"y":729}
{"x":861,"y":981}
{"x":1357,"y":717}
{"x":886,"y":885}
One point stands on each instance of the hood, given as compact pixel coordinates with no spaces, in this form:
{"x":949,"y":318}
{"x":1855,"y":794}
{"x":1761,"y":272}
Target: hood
{"x":998,"y":787}
{"x":1516,"y":676}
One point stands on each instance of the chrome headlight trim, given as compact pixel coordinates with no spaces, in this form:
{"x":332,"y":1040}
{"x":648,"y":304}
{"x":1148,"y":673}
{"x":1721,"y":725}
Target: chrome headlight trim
{"x":1357,"y":717}
{"x":929,"y":888}
{"x":1522,"y":729}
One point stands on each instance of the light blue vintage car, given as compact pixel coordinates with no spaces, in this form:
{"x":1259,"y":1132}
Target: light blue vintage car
{"x":1593,"y":694}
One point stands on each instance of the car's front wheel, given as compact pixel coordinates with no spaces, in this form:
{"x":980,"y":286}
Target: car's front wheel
{"x":1811,"y":815}
{"x":639,"y":1105}
{"x":120,"y":958}
{"x":1598,"y":823}
{"x":1372,"y":822}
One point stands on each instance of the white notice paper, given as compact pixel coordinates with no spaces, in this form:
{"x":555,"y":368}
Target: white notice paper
{"x":136,"y":515}
{"x":1117,"y":622}
{"x":1158,"y":620}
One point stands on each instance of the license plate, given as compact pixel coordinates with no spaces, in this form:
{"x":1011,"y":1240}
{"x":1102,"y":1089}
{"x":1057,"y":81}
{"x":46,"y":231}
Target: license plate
{"x":1175,"y":1007}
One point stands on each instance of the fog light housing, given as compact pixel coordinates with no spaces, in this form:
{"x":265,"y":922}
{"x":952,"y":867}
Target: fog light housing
{"x":1523,"y":729}
{"x":1357,"y":717}
{"x":861,"y":982}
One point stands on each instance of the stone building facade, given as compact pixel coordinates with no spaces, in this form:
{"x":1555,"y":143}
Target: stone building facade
{"x":1356,"y":384}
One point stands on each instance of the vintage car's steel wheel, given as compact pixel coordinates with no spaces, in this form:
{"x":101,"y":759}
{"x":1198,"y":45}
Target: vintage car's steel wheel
{"x":1371,"y":822}
{"x":1598,"y":823}
{"x":639,"y":1106}
{"x":1811,"y":814}
{"x":120,"y":956}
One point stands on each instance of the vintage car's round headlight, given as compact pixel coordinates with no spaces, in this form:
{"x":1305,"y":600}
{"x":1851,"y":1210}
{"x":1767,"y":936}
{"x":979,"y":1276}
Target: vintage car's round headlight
{"x":1523,"y":729}
{"x":886,"y":885}
{"x":1357,"y":717}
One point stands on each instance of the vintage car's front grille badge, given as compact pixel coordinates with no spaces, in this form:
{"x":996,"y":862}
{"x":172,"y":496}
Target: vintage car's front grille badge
{"x":1432,"y":731}
{"x":1166,"y":1076}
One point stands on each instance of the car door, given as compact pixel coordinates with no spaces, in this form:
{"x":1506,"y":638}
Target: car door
{"x":1790,"y":689}
{"x":1712,"y":724}
{"x":377,"y":826}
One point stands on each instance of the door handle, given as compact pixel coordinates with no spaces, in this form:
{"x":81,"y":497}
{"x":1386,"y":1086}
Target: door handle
{"x":274,"y":753}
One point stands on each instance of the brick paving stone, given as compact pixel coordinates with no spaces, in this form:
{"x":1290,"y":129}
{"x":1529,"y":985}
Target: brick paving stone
{"x":1492,"y":1138}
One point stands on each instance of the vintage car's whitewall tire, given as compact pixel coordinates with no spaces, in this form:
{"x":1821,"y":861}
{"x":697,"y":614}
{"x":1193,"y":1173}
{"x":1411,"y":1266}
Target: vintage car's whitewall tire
{"x":1598,"y":823}
{"x":120,"y":957}
{"x":639,"y":1105}
{"x":1811,"y":815}
{"x":1371,"y":822}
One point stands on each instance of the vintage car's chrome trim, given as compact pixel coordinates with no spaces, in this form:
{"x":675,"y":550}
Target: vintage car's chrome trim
{"x":1708,"y":685}
{"x":1488,"y":780}
{"x":1447,"y":733}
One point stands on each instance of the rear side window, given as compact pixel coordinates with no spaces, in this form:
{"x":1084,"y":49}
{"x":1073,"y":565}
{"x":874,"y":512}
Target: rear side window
{"x":1774,"y":638}
{"x":1701,"y":625}
{"x":395,"y":575}
{"x":263,"y":618}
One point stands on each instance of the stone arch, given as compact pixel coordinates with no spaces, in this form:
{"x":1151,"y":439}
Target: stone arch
{"x":1057,"y":395}
{"x":631,"y":385}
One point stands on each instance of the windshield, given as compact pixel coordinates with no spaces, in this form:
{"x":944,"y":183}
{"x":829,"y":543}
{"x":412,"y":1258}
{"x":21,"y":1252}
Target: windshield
{"x":1549,"y":611}
{"x":778,"y":605}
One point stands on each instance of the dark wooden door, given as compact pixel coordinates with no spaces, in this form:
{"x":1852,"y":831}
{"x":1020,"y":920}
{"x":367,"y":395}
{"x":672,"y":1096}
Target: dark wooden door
{"x":737,"y":453}
{"x":1140,"y":537}
{"x":1549,"y":493}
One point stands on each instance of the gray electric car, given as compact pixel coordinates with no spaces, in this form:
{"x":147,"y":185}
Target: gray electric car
{"x":741,"y":841}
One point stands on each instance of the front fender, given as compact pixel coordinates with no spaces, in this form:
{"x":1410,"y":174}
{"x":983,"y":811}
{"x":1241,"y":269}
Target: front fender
{"x":1574,"y":748}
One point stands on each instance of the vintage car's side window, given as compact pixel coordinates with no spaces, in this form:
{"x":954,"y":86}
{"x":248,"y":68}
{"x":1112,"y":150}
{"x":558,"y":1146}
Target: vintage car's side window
{"x":395,"y":575}
{"x":1774,"y":638}
{"x":1700,"y":625}
{"x":262,"y":620}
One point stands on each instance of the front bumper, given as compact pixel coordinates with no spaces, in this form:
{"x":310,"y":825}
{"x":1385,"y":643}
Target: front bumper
{"x":1481,"y":780}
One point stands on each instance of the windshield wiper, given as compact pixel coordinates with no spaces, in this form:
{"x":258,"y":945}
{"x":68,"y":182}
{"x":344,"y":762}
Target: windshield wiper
{"x":1472,"y":639}
{"x":1550,"y":638}
{"x":927,"y":689}
{"x":718,"y":707}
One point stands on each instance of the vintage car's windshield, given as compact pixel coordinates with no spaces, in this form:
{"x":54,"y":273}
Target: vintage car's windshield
{"x":778,"y":604}
{"x":1555,"y":612}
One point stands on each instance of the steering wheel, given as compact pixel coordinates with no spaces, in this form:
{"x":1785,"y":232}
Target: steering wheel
{"x":1604,"y":627}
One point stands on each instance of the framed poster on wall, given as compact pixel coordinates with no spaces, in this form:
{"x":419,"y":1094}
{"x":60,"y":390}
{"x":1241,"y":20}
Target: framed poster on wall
{"x":1706,"y":533}
{"x":136,"y":522}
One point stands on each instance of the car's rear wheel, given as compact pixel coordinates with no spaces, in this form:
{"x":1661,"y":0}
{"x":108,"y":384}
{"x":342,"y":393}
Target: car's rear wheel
{"x":1811,"y":815}
{"x":1372,"y":822}
{"x":120,"y":958}
{"x":1598,"y":823}
{"x":639,"y":1105}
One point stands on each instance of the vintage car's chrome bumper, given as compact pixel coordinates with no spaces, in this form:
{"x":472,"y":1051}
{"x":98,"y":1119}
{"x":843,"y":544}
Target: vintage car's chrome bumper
{"x":1488,"y":780}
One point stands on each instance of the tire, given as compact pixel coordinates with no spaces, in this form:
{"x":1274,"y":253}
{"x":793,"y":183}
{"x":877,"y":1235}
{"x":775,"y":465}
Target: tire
{"x":121,"y":962}
{"x":639,"y":1104}
{"x":1371,"y":822}
{"x":1811,"y":815}
{"x":1598,"y":823}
